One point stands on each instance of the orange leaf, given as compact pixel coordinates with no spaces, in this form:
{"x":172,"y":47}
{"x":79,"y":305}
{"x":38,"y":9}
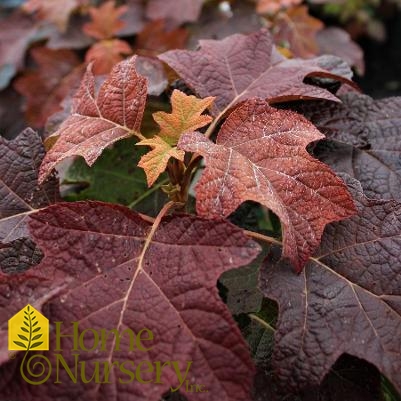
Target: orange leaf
{"x":272,"y":6}
{"x":106,"y":54}
{"x":106,"y":21}
{"x":296,"y":30}
{"x":155,"y":161}
{"x":185,"y":116}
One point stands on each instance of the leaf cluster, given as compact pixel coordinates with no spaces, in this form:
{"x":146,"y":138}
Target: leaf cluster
{"x":244,"y":206}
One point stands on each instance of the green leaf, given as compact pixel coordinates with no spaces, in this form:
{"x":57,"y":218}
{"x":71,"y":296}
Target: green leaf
{"x":31,"y":312}
{"x":114,"y":177}
{"x":24,"y":329}
{"x":20,"y":344}
{"x":389,"y":392}
{"x":29,"y":308}
{"x":36,"y":344}
{"x":34,"y":318}
{"x":22,"y":337}
{"x":36,"y":330}
{"x":242,"y":294}
{"x":25,"y":312}
{"x":26,"y":318}
{"x":26,"y":324}
{"x":34,"y":324}
{"x":36,"y":337}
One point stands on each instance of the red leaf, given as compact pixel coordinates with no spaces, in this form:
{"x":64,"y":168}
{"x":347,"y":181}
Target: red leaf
{"x":95,"y":249}
{"x":347,"y":299}
{"x":260,"y":155}
{"x":240,"y":67}
{"x":98,"y":121}
{"x":59,"y":72}
{"x":156,"y":38}
{"x":106,"y":54}
{"x":296,"y":29}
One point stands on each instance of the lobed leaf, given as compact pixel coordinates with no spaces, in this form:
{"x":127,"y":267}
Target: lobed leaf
{"x":96,"y":251}
{"x":186,"y":116}
{"x":98,"y":121}
{"x":297,"y":30}
{"x":260,"y":155}
{"x":105,"y":20}
{"x":367,"y":140}
{"x":156,"y":38}
{"x":240,"y":67}
{"x":347,"y":299}
{"x":20,"y":196}
{"x":106,"y":54}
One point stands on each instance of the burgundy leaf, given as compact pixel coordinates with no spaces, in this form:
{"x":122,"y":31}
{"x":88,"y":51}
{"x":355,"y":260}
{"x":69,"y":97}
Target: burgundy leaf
{"x":19,"y":255}
{"x":368,"y":140}
{"x":338,"y":42}
{"x":20,"y":194}
{"x":347,"y":299}
{"x":178,"y":11}
{"x":96,"y":250}
{"x":260,"y":155}
{"x":240,"y":67}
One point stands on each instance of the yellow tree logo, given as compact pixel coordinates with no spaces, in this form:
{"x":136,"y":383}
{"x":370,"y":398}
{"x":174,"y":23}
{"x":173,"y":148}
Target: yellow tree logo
{"x":28,"y":330}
